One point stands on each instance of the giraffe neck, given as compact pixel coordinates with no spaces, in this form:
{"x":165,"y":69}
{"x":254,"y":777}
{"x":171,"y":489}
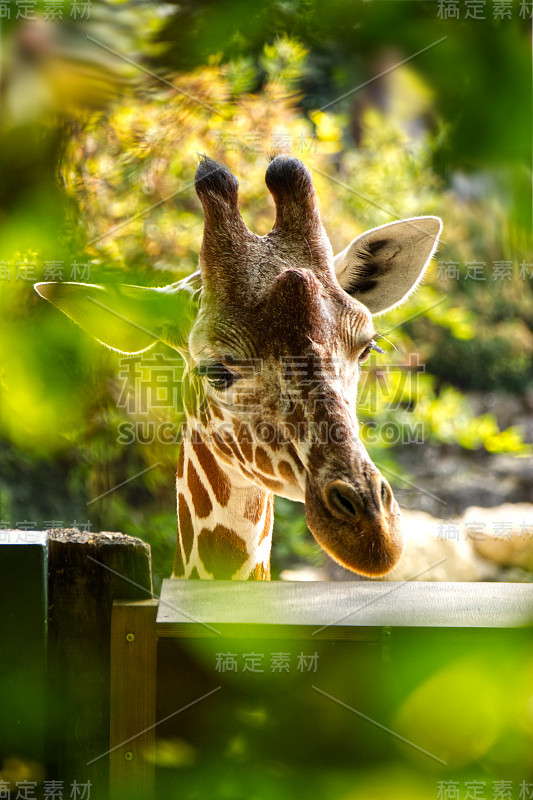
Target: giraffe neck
{"x":224,"y":521}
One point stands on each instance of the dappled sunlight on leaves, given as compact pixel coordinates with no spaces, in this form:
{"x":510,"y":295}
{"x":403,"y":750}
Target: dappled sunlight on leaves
{"x":127,"y":211}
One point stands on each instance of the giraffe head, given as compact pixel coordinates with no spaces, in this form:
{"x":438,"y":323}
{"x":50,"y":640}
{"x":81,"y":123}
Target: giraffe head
{"x":274,"y":330}
{"x":282,"y":331}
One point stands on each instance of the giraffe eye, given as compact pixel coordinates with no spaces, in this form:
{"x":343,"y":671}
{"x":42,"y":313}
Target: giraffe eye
{"x":366,"y":352}
{"x":364,"y":355}
{"x":218,"y":375}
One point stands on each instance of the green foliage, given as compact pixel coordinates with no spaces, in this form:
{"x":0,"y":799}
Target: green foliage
{"x":127,"y":210}
{"x":284,"y":61}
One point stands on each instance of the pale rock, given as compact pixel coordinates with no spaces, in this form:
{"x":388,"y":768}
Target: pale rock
{"x":303,"y":574}
{"x":504,"y":535}
{"x":432,"y":554}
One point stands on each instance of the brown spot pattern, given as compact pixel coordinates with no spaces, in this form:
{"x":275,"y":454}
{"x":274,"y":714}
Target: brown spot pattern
{"x":255,"y":503}
{"x":178,"y":568}
{"x":269,"y":516}
{"x":222,"y":446}
{"x":222,"y":552}
{"x":274,"y":486}
{"x":181,"y":460}
{"x":261,"y":572}
{"x":215,"y":410}
{"x":274,"y":441}
{"x":194,"y":575}
{"x":246,"y":473}
{"x":244,"y":438}
{"x":219,"y":481}
{"x":200,"y":498}
{"x":230,"y":441}
{"x":291,"y":451}
{"x":263,"y":461}
{"x":185,"y":526}
{"x":287,"y":472}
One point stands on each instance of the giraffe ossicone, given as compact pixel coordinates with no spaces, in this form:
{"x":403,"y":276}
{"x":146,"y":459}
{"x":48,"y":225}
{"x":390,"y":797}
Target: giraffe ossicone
{"x":273,"y":330}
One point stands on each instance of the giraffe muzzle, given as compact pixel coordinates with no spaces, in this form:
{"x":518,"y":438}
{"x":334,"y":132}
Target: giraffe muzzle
{"x":358,"y":526}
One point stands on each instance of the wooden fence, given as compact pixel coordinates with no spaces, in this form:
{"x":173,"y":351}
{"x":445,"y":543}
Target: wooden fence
{"x":93,"y":666}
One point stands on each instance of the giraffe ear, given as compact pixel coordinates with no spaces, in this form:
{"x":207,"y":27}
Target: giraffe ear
{"x":383,"y":266}
{"x":129,"y":319}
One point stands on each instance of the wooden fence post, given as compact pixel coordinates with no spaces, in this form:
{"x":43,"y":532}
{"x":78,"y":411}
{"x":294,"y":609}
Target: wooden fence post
{"x":86,"y":573}
{"x":133,"y":694}
{"x":23,"y":605}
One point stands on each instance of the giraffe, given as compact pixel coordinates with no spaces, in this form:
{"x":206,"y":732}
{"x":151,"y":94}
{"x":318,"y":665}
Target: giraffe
{"x":273,"y":330}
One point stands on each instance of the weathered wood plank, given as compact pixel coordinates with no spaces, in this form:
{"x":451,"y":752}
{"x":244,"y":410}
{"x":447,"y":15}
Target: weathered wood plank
{"x":87,"y":572}
{"x":133,"y":692}
{"x":331,"y":609}
{"x":23,"y":618}
{"x":261,"y":630}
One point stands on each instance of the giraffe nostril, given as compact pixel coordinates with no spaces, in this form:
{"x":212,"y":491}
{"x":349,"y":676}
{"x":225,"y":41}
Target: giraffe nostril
{"x":343,"y":500}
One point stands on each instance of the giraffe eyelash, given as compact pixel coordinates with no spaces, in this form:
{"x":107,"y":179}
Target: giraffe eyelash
{"x":381,"y":336}
{"x":363,"y":355}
